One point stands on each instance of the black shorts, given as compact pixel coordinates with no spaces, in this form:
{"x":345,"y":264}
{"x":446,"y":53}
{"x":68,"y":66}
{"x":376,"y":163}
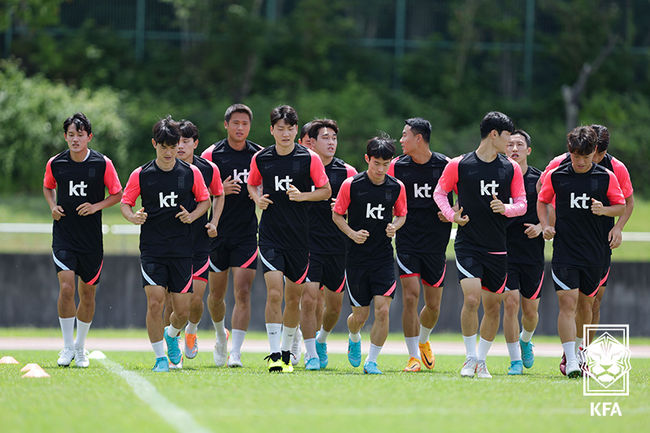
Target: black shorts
{"x":584,"y":278}
{"x":200,"y":266}
{"x":525,"y":278}
{"x":365,"y":282}
{"x":605,"y":277}
{"x":328,"y":270}
{"x":233,"y":253}
{"x":174,"y":273}
{"x":490,"y":268}
{"x":87,"y":265}
{"x":429,"y":267}
{"x":294,"y":264}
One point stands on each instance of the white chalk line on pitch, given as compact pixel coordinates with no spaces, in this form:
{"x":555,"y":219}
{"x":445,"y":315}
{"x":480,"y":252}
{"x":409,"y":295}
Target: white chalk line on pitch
{"x":181,"y":420}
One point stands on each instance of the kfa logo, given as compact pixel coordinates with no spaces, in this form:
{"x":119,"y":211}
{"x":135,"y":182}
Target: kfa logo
{"x":282,"y":184}
{"x":375,"y":212}
{"x":605,"y":408}
{"x":607,"y":357}
{"x":423,"y":191}
{"x":489,"y":189}
{"x":168,"y":200}
{"x":78,"y":189}
{"x":579,"y":202}
{"x":240,"y":176}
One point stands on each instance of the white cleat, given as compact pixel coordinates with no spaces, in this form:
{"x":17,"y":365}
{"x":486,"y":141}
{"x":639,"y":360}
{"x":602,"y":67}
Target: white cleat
{"x":81,"y":358}
{"x":178,"y":366}
{"x":482,"y":371}
{"x":220,"y":352}
{"x":65,"y":357}
{"x":573,"y":369}
{"x":469,"y":367}
{"x":234,"y":360}
{"x":296,"y":348}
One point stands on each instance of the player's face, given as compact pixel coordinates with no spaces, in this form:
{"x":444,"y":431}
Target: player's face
{"x":185,"y":149}
{"x":238,"y":127}
{"x":166,"y":153}
{"x":501,"y":141}
{"x":306,"y":141}
{"x":77,"y":140}
{"x":284,"y":133}
{"x":599,"y":156}
{"x":326,"y":142}
{"x":517,"y":149}
{"x":408,"y":140}
{"x":377,"y":167}
{"x":582,"y":163}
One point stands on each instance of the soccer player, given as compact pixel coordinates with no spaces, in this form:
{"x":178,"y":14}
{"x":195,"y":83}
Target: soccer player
{"x":485,"y":181}
{"x":168,"y":187}
{"x":371,"y":199}
{"x":422,"y":242}
{"x":285,"y":172}
{"x":326,"y":250}
{"x":525,"y":247}
{"x":235,"y":248}
{"x":583,"y":192}
{"x":74,"y":188}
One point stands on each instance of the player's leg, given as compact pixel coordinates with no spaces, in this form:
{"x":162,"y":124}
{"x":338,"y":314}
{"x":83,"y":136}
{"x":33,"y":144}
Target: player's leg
{"x":511,"y":329}
{"x":191,"y":347}
{"x":308,"y":322}
{"x":568,"y":301}
{"x":433,"y":270}
{"x":218,"y":284}
{"x":378,"y":333}
{"x":360,"y":296}
{"x":489,"y":327}
{"x":410,"y":320}
{"x":85,"y":314}
{"x":595,"y":315}
{"x":180,"y":286}
{"x":167,"y":309}
{"x":155,"y":302}
{"x":241,"y":313}
{"x":531,"y":280}
{"x":469,"y":322}
{"x":65,"y":263}
{"x":290,"y":319}
{"x":335,"y":282}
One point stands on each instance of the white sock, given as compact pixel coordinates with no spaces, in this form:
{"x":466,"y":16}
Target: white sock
{"x":424,"y":334}
{"x":274,"y":332}
{"x":570,"y":351}
{"x":373,"y":353}
{"x":287,"y":338}
{"x":219,"y":330}
{"x":470,"y":346}
{"x":526,"y":336}
{"x":514,"y":350}
{"x":310,"y":347}
{"x":82,"y":331}
{"x":67,"y":329}
{"x":237,"y":340}
{"x":322,"y":335}
{"x":191,"y":328}
{"x":355,"y":337}
{"x":412,"y":346}
{"x":579,"y":342}
{"x":173,"y":332}
{"x":159,"y":348}
{"x":483,"y":348}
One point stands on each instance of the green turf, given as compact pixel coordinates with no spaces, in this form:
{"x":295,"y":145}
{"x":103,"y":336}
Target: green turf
{"x":337,"y":400}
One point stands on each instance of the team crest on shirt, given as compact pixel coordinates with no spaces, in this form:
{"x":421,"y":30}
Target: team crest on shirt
{"x":489,"y":189}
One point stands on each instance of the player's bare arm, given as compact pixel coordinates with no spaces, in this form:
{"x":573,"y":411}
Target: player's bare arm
{"x":532,"y":230}
{"x":189,"y":217}
{"x":615,"y":236}
{"x":459,"y":218}
{"x":261,"y":200}
{"x":597,"y":208}
{"x":217,"y":209}
{"x":319,"y":194}
{"x":358,"y":236}
{"x":391,"y":228}
{"x":50,"y":197}
{"x":85,"y":209}
{"x":231,"y":186}
{"x":137,"y":218}
{"x":542,"y":214}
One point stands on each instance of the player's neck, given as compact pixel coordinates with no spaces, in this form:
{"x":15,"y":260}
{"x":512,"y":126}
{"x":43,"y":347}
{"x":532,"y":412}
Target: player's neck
{"x":524,"y":166}
{"x":486,"y":151}
{"x":189,"y":159}
{"x":164,"y":165}
{"x":283,"y":150}
{"x":326,"y":160}
{"x":376,"y":180}
{"x":421,"y":156}
{"x":79,"y":156}
{"x":237,"y":145}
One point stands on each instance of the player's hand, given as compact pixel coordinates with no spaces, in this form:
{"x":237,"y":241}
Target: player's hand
{"x":497,"y":205}
{"x":264,"y":202}
{"x":294,"y":193}
{"x":549,"y":232}
{"x":231,"y":186}
{"x":615,"y":237}
{"x":184,"y":216}
{"x":212,"y":230}
{"x":597,"y":207}
{"x":532,"y":230}
{"x":442,"y":218}
{"x":460,"y":220}
{"x":360,"y":236}
{"x":139,"y":217}
{"x":85,"y":209}
{"x":390,"y":230}
{"x":57,"y":213}
{"x":333,"y":203}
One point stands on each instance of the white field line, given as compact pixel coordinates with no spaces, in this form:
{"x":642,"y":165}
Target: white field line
{"x":177,"y":417}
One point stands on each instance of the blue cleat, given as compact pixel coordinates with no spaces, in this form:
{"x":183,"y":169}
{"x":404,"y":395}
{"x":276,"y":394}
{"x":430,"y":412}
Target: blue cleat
{"x":371,"y":368}
{"x":527,"y":355}
{"x":162,"y":365}
{"x":321,"y":350}
{"x":312,"y":364}
{"x":516,"y":368}
{"x":354,"y":353}
{"x":173,"y":349}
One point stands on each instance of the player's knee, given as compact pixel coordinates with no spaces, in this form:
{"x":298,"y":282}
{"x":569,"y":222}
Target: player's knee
{"x":274,"y":297}
{"x":155,"y":305}
{"x":510,"y":305}
{"x":409,"y":299}
{"x":381,"y":313}
{"x":472,"y":302}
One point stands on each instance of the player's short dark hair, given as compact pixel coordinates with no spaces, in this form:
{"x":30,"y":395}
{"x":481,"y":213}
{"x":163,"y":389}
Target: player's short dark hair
{"x":188,"y":129}
{"x":238,"y":108}
{"x":381,"y":147}
{"x":318,"y":124}
{"x":80,"y":122}
{"x":286,"y":113}
{"x":166,"y":131}
{"x":420,"y":126}
{"x":582,"y":140}
{"x":602,"y":142}
{"x":305,"y":130}
{"x":523,"y":134}
{"x":497,"y":121}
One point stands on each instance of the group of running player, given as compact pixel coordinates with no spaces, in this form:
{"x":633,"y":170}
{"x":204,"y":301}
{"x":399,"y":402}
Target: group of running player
{"x":326,"y":229}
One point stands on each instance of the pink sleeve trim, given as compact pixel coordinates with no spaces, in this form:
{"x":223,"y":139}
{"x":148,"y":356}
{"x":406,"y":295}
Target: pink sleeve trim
{"x":49,"y":181}
{"x":350,"y":170}
{"x":614,"y":193}
{"x":517,"y":192}
{"x":199,"y":189}
{"x":547,"y":193}
{"x":207,"y":153}
{"x":440,"y":197}
{"x":449,"y":179}
{"x":216,"y":186}
{"x":317,"y":170}
{"x":111,"y":180}
{"x":391,"y":169}
{"x":400,"y":208}
{"x":254,"y":177}
{"x":132,"y":189}
{"x":623,"y":177}
{"x":517,"y":208}
{"x":343,"y":199}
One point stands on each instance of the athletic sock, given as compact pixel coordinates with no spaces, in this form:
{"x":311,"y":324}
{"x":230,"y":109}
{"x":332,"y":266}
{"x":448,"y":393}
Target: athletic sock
{"x":191,"y":328}
{"x":219,"y":330}
{"x":514,"y":351}
{"x":82,"y":332}
{"x":412,"y":346}
{"x":274,"y":332}
{"x":424,"y":334}
{"x":287,"y":338}
{"x":373,"y":353}
{"x":173,"y":332}
{"x":322,"y":335}
{"x":310,"y":347}
{"x":569,"y":351}
{"x":470,"y":346}
{"x":356,"y":337}
{"x":579,"y":342}
{"x":67,"y":329}
{"x":483,"y":349}
{"x":237,"y":340}
{"x":159,"y":348}
{"x":526,"y":336}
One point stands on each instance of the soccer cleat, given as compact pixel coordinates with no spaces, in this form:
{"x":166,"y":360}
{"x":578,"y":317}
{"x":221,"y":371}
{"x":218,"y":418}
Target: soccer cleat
{"x":371,"y":368}
{"x":191,"y":346}
{"x":312,"y":364}
{"x":162,"y":365}
{"x":65,"y":357}
{"x":274,"y":362}
{"x":516,"y":368}
{"x":573,"y":369}
{"x":321,"y":350}
{"x":581,"y":356}
{"x":563,"y":364}
{"x":527,"y":355}
{"x":296,"y":347}
{"x":482,"y":371}
{"x":287,"y":366}
{"x":354,"y":353}
{"x":469,"y":367}
{"x":413,"y":365}
{"x":220,"y":352}
{"x":173,"y":350}
{"x":426,"y":355}
{"x":234,"y":360}
{"x":81,"y":358}
{"x":176,"y":366}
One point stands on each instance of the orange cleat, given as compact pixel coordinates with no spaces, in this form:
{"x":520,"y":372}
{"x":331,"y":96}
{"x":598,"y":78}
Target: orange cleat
{"x":413,"y":365}
{"x":426,"y":355}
